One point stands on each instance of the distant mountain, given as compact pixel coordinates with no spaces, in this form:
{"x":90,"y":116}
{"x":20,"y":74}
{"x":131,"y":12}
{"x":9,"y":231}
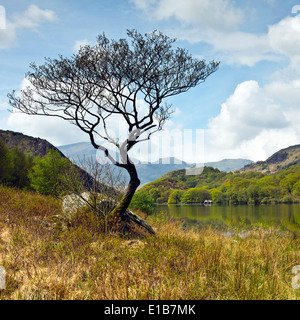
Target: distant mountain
{"x":150,"y":171}
{"x":147,"y":171}
{"x":229,"y":164}
{"x":78,"y":150}
{"x":282,"y":159}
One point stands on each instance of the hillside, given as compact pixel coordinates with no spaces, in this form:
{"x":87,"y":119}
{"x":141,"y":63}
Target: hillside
{"x":34,"y":146}
{"x":161,"y":188}
{"x":282,"y":159}
{"x":227,"y":187}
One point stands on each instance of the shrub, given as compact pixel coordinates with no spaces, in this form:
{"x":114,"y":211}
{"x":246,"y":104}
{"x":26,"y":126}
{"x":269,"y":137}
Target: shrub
{"x":144,"y":202}
{"x":46,"y":174}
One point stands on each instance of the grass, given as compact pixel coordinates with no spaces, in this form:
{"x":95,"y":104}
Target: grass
{"x":47,"y":259}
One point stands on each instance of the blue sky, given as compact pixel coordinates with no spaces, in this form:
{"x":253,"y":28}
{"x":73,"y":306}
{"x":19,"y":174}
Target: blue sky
{"x":249,"y":108}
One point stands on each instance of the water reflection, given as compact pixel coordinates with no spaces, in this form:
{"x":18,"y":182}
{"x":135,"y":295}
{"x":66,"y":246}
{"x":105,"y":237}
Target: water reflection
{"x":285,"y":216}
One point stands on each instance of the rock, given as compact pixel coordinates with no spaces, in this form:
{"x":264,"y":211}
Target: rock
{"x":73,"y":202}
{"x":129,"y":223}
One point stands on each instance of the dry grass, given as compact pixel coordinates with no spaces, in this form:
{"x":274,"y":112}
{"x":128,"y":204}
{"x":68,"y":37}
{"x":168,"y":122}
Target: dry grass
{"x":44,"y":259}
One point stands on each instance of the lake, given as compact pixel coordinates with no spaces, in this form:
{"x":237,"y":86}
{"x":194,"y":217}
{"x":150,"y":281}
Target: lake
{"x":285,"y":216}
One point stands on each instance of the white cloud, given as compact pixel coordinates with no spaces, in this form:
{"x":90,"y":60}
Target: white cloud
{"x":242,"y":48}
{"x":234,"y":48}
{"x":143,"y":4}
{"x":57,"y":131}
{"x":256,"y":121}
{"x":32,"y":19}
{"x":284,"y":38}
{"x":218,"y":23}
{"x":210,"y":13}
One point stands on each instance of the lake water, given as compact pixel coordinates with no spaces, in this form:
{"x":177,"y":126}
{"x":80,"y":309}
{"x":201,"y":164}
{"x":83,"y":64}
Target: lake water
{"x":285,"y":216}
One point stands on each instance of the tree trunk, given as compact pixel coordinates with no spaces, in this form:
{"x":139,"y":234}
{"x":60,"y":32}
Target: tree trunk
{"x":130,"y":190}
{"x":123,"y":219}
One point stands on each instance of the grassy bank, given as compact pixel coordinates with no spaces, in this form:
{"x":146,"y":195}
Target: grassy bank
{"x":45,"y":259}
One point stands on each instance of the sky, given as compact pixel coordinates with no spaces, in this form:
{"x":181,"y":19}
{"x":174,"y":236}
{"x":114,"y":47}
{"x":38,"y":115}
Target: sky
{"x":249,"y":108}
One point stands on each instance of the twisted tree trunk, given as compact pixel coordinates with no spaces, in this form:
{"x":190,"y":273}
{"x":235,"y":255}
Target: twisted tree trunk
{"x":134,"y":182}
{"x":122,"y":218}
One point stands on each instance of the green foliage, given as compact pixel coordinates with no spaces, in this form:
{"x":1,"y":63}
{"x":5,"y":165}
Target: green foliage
{"x":296,"y":189}
{"x":144,"y":202}
{"x":4,"y":161}
{"x":14,"y":166}
{"x":195,"y":195}
{"x":154,"y":193}
{"x":21,"y":164}
{"x":287,"y":199}
{"x":46,"y":174}
{"x":218,"y":196}
{"x":175,"y":197}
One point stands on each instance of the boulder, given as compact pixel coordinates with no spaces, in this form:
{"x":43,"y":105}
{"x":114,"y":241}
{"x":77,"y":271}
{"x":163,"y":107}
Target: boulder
{"x":129,"y":223}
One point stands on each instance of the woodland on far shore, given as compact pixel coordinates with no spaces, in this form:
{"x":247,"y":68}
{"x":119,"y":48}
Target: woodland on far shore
{"x":276,"y":180}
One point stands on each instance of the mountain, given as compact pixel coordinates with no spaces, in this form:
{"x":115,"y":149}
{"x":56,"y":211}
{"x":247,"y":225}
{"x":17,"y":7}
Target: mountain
{"x":76,"y":151}
{"x":149,"y":171}
{"x":281,"y":159}
{"x":229,"y":164}
{"x":34,"y":146}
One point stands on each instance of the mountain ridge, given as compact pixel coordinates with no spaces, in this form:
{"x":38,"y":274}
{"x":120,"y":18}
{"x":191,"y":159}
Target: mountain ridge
{"x":281,"y":159}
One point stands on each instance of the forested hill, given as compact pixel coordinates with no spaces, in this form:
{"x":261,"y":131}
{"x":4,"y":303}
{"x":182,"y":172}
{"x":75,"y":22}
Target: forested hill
{"x":227,"y":187}
{"x":37,"y":147}
{"x":282,"y":159}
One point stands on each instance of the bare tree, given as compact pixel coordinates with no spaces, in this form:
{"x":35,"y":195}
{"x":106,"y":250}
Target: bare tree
{"x":107,"y":81}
